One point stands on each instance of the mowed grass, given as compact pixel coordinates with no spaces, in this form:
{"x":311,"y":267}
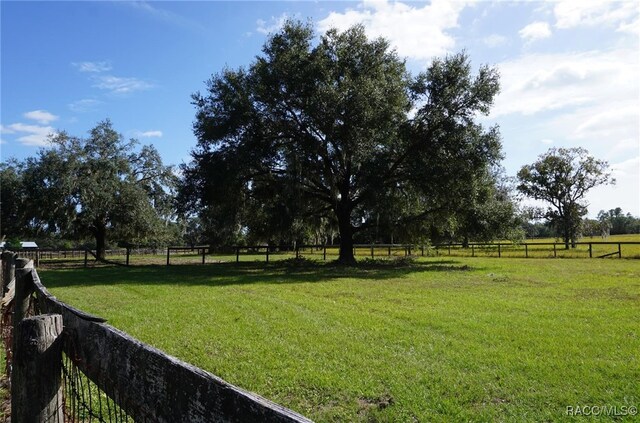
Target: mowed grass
{"x":461,"y":339}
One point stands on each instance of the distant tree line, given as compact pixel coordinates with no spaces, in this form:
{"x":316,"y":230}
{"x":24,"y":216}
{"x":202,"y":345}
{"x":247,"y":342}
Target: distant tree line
{"x":612,"y":222}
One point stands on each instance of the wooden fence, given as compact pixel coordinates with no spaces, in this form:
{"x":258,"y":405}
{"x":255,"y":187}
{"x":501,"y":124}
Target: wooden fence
{"x":476,"y":249}
{"x":206,"y":254}
{"x":145,"y":383}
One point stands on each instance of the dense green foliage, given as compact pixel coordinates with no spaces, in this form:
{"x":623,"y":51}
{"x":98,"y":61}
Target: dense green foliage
{"x":441,"y":340}
{"x":335,"y":136}
{"x":101,"y":186}
{"x":562,"y":177}
{"x":616,"y":222}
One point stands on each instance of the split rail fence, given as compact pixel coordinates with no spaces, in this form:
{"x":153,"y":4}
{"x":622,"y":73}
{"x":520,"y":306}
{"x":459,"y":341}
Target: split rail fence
{"x":69,"y":366}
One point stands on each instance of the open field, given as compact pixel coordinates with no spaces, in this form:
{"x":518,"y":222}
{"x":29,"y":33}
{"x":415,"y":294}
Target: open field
{"x":465,"y":339}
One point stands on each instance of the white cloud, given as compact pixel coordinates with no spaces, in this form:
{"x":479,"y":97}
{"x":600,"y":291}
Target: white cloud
{"x":41,"y":116}
{"x":92,"y":67}
{"x":495,"y":40}
{"x":547,"y":141}
{"x":35,"y":135}
{"x":5,"y":130}
{"x":164,"y":15}
{"x":535,"y":31}
{"x":274,"y":24}
{"x":612,"y":122}
{"x":632,"y":27}
{"x":148,"y":134}
{"x":416,"y":32}
{"x":108,"y":82}
{"x":573,"y":13}
{"x":84,"y":105}
{"x":535,"y":83}
{"x":120,"y":85}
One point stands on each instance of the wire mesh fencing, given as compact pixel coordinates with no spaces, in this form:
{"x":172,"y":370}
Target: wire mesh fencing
{"x":84,"y":401}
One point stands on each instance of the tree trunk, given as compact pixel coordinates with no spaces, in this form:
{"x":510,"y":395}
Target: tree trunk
{"x":343,"y":214}
{"x":101,"y":242}
{"x":566,"y":239}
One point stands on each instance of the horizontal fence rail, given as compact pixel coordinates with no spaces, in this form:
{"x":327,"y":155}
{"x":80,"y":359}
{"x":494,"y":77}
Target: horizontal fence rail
{"x":110,"y":376}
{"x":204,"y":254}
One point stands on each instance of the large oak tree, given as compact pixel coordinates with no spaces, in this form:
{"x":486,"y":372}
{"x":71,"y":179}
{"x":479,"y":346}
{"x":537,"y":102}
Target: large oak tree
{"x":100,"y":186}
{"x":335,"y":127}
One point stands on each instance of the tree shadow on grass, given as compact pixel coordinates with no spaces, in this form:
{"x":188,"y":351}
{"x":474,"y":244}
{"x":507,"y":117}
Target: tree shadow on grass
{"x":245,"y":273}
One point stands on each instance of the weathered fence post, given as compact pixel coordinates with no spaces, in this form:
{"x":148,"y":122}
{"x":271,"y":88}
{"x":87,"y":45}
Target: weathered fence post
{"x":555,"y":253}
{"x":473,"y":251}
{"x":324,"y":253}
{"x":619,"y":250}
{"x":128,"y":253}
{"x":237,"y":254}
{"x":36,"y":388}
{"x":590,"y":251}
{"x":86,"y":257}
{"x":8,"y":270}
{"x":23,"y":290}
{"x":499,"y":251}
{"x":267,"y":254}
{"x":526,"y":251}
{"x":203,"y":255}
{"x":168,"y":255}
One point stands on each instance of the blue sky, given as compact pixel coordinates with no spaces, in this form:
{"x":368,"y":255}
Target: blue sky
{"x":569,"y":68}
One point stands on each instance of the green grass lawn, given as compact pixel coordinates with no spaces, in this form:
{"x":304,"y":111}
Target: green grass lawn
{"x":461,"y":339}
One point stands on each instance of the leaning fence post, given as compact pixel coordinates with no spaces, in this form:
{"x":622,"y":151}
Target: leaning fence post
{"x":36,"y":388}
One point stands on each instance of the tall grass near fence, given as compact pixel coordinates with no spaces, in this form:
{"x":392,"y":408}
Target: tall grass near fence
{"x":443,"y":339}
